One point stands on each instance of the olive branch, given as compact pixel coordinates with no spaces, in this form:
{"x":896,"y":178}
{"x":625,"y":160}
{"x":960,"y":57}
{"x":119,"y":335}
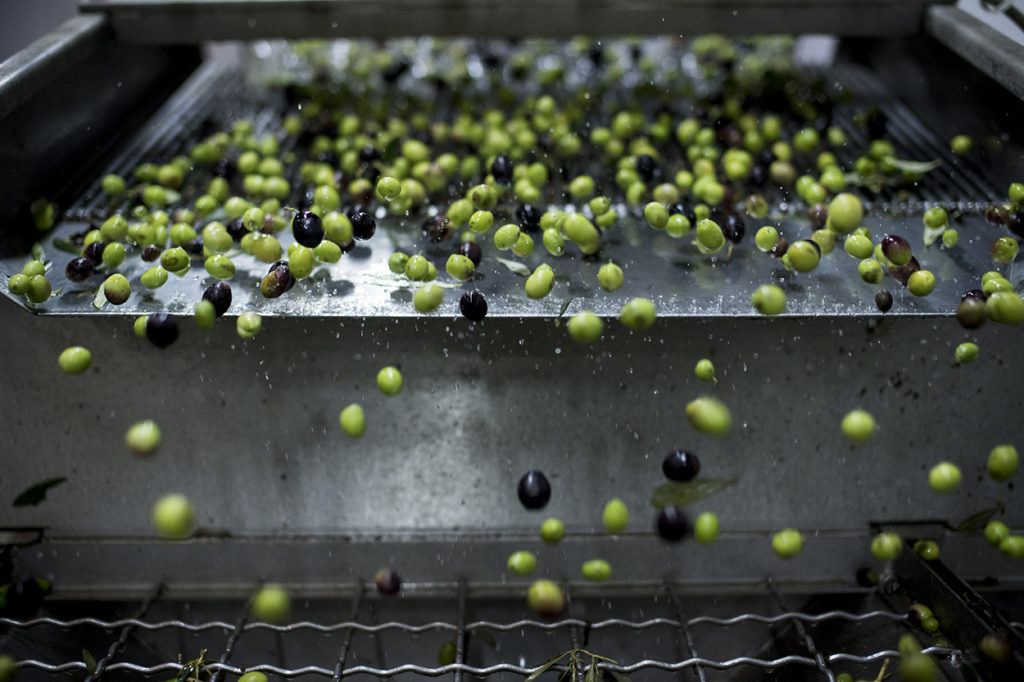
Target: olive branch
{"x":593,"y":672}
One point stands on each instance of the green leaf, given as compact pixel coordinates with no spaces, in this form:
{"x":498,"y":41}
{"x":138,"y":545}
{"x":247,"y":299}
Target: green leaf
{"x":38,"y":253}
{"x":37,"y":493}
{"x":916,"y":167}
{"x":391,"y":150}
{"x":101,"y":298}
{"x":67,"y":246}
{"x":89,"y":660}
{"x":682,"y":494}
{"x":932,"y":234}
{"x":545,"y":666}
{"x":592,"y":673}
{"x":515,"y":266}
{"x":979,"y":520}
{"x":484,"y":635}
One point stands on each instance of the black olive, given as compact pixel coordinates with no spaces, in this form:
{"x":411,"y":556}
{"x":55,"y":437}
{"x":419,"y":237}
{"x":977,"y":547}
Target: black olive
{"x":161,"y":330}
{"x":534,"y":490}
{"x":307,"y":228}
{"x":219,"y":294}
{"x":473,"y":306}
{"x":680,"y":465}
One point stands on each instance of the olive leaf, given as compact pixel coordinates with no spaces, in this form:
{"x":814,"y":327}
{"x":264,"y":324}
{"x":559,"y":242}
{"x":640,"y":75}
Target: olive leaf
{"x":100,"y":299}
{"x":515,"y":266}
{"x":484,"y":635}
{"x":38,"y":253}
{"x":979,"y":520}
{"x":592,"y":672}
{"x":89,"y":660}
{"x":932,"y":234}
{"x":915,"y":167}
{"x":681,"y":494}
{"x":66,"y":245}
{"x":35,"y":494}
{"x":545,"y":666}
{"x":391,"y":150}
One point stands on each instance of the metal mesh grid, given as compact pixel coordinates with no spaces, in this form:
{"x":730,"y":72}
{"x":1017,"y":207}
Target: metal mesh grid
{"x":769,"y":637}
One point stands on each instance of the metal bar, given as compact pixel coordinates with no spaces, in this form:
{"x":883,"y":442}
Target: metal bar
{"x":691,"y":649}
{"x":30,"y":70}
{"x":101,"y":665}
{"x":804,"y":635}
{"x":460,"y":631}
{"x":346,"y":645}
{"x":236,"y":632}
{"x":991,"y":52}
{"x":196,"y":21}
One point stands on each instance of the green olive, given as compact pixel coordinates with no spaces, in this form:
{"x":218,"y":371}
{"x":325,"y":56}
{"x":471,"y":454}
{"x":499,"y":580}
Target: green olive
{"x":705,"y":528}
{"x":540,"y":282}
{"x":18,"y":284}
{"x":678,"y":225}
{"x":205,"y":314}
{"x":709,"y":415}
{"x":582,"y":232}
{"x":710,"y":235}
{"x":610,"y":277}
{"x":950,"y":238}
{"x":766,"y":238}
{"x":174,"y":259}
{"x":75,"y":359}
{"x":552,"y":531}
{"x":927,"y":549}
{"x":1004,"y":249}
{"x":522,"y":562}
{"x":352,"y":420}
{"x":220,"y":266}
{"x":870,"y":270}
{"x":858,"y":246}
{"x":114,"y":228}
{"x":397,"y":262}
{"x":615,"y":516}
{"x":117,"y":289}
{"x":300,"y":260}
{"x":944,"y":477}
{"x":427,"y":298}
{"x":921,"y":282}
{"x":523,"y":246}
{"x":1005,"y":307}
{"x":1013,"y":546}
{"x":481,"y":221}
{"x":596,"y":570}
{"x":1002,"y":462}
{"x":886,"y":546}
{"x":638,"y":314}
{"x":327,"y":251}
{"x":113,"y":185}
{"x":546,"y":598}
{"x":656,"y":215}
{"x":143,"y":437}
{"x":271,"y":604}
{"x":459,"y":267}
{"x":705,"y":370}
{"x":113,"y":254}
{"x":804,"y":255}
{"x":996,"y":532}
{"x":337,"y":228}
{"x":174,"y":517}
{"x":388,"y":188}
{"x":139,"y":326}
{"x":845,"y":213}
{"x":505,"y":237}
{"x":248,"y":325}
{"x":967,"y":352}
{"x":858,"y":426}
{"x":389,"y":380}
{"x":446,"y":654}
{"x":553,"y":242}
{"x":416,"y":268}
{"x":585,"y":327}
{"x":768,"y":299}
{"x":961,"y":145}
{"x":787,"y":543}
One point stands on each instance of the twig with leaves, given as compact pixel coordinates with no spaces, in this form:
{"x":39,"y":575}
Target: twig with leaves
{"x":593,"y":673}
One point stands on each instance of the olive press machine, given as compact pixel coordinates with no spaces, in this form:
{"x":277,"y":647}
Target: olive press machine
{"x":251,"y":434}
